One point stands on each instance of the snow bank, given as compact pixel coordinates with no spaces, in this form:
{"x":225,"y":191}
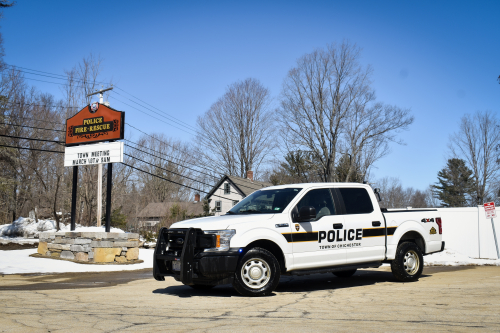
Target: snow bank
{"x":19,"y":262}
{"x":451,"y":257}
{"x":29,"y":228}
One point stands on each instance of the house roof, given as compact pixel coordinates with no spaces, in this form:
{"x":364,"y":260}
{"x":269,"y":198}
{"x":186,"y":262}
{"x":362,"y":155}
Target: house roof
{"x":244,"y":186}
{"x":162,"y":209}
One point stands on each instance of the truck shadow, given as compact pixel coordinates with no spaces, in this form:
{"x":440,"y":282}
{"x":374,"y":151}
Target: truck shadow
{"x":293,"y":284}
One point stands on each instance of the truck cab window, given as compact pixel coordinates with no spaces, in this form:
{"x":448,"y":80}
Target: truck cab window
{"x":356,"y":200}
{"x":321,"y":200}
{"x":265,"y":201}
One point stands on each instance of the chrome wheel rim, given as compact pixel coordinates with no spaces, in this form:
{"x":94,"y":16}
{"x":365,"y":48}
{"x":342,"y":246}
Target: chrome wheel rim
{"x":255,"y":273}
{"x":411,"y":262}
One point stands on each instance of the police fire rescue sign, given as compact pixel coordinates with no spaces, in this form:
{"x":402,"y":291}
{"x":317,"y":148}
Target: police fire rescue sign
{"x":97,"y":153}
{"x":95,"y":123}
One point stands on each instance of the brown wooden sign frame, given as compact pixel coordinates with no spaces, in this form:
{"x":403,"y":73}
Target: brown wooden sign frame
{"x":95,"y":123}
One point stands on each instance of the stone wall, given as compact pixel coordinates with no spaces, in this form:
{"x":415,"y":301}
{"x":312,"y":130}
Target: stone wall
{"x":90,"y":247}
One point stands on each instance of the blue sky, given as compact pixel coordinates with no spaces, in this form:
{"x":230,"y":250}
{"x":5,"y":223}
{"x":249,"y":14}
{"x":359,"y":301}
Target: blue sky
{"x":439,"y":58}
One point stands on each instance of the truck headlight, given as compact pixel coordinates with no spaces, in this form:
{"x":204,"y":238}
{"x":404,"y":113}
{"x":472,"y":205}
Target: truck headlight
{"x":223,"y":239}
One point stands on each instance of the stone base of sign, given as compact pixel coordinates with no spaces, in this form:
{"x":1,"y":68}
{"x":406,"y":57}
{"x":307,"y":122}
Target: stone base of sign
{"x":90,"y":247}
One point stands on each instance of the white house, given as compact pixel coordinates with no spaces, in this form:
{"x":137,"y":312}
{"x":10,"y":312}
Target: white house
{"x":230,"y":190}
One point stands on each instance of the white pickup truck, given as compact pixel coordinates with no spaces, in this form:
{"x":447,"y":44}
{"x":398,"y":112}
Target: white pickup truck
{"x":296,"y":230}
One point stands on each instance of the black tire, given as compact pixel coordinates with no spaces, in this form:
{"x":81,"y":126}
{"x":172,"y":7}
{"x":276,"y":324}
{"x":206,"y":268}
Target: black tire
{"x":201,"y":286}
{"x":408,"y":264}
{"x":345,"y":274}
{"x":257,"y":274}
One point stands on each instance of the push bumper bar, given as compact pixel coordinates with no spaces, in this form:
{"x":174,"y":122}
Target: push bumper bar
{"x":196,"y":265}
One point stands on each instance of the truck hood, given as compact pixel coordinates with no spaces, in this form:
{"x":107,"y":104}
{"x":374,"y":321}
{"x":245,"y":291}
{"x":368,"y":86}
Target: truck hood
{"x":220,"y":222}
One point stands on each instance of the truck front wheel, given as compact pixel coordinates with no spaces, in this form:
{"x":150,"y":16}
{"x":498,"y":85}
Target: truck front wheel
{"x":408,"y":264}
{"x":257,"y":273}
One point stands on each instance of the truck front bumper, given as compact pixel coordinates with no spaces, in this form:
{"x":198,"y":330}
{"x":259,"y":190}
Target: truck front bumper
{"x":191,"y":265}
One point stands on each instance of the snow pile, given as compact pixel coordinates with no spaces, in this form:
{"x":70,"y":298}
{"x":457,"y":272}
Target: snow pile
{"x":19,"y":262}
{"x":451,"y":257}
{"x":26,"y":227}
{"x":29,"y":228}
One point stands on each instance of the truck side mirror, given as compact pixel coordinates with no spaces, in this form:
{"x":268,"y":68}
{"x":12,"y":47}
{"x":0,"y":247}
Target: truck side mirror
{"x":307,"y":213}
{"x":377,"y":192}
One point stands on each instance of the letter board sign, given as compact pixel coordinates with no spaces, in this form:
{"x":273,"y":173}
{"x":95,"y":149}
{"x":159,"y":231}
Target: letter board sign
{"x":95,"y":123}
{"x":97,"y":153}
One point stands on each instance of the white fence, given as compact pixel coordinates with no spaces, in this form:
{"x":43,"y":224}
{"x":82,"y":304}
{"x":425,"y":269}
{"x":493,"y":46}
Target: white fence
{"x":466,"y":230}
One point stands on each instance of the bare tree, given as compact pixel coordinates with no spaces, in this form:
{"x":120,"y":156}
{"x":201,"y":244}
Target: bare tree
{"x":394,"y":195}
{"x":370,"y":129}
{"x":165,"y":158}
{"x":477,"y":142}
{"x":328,"y":108}
{"x":236,"y":134}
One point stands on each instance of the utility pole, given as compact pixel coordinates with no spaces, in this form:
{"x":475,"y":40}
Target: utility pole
{"x":99,"y":167}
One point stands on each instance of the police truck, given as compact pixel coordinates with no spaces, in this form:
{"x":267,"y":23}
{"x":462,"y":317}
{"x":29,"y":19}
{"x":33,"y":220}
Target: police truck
{"x":297,"y":229}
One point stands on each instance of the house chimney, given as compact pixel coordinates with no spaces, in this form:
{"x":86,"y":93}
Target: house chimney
{"x":197,"y":197}
{"x":250,"y":175}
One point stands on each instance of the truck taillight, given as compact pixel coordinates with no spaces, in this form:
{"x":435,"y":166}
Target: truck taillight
{"x":439,"y":223}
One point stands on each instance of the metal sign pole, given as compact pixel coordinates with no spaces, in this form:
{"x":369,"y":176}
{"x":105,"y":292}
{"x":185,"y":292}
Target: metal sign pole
{"x":73,"y":197}
{"x":108,"y":196}
{"x":99,"y":194}
{"x":495,"y":235}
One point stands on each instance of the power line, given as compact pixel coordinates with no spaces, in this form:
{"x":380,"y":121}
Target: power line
{"x":166,"y":143}
{"x":41,"y":105}
{"x":177,"y":174}
{"x":155,"y":166}
{"x":50,"y":151}
{"x":169,"y":160}
{"x":154,"y":138}
{"x":171,"y":181}
{"x":62,"y":77}
{"x":179,"y":122}
{"x":32,"y":139}
{"x":46,"y":121}
{"x":163,"y":121}
{"x":39,"y":128}
{"x":51,"y":75}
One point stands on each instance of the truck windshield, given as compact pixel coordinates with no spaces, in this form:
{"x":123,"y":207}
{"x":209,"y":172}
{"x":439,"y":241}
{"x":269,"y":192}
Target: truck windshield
{"x":265,"y":201}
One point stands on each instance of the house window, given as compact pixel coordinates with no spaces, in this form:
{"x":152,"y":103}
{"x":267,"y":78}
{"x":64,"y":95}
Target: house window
{"x":235,"y":202}
{"x":218,"y":205}
{"x":227,"y":188}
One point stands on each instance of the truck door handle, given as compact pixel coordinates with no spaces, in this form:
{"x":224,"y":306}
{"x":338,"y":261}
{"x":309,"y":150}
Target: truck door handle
{"x":338,"y":226}
{"x":376,"y":223}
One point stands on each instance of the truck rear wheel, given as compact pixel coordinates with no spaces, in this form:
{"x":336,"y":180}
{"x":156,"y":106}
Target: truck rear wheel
{"x":408,"y":264}
{"x":257,"y":273}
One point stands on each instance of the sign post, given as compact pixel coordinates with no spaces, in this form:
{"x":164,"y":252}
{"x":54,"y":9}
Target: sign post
{"x":92,"y":124}
{"x":489,"y":210}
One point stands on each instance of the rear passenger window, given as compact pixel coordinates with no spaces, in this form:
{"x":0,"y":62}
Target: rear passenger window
{"x":356,"y":200}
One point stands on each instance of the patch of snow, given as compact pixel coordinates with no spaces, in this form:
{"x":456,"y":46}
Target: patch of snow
{"x":17,"y":240}
{"x":29,"y":228}
{"x":149,"y":245}
{"x":93,"y":229}
{"x":19,"y":262}
{"x":451,"y":257}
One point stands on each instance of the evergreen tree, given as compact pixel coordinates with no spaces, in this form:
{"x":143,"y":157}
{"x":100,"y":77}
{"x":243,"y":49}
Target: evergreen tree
{"x":342,"y":170}
{"x":455,"y":184}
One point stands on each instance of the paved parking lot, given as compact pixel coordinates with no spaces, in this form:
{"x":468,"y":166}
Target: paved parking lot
{"x":445,"y":299}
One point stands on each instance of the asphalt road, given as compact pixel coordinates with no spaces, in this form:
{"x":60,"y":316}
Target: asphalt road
{"x":444,"y":299}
